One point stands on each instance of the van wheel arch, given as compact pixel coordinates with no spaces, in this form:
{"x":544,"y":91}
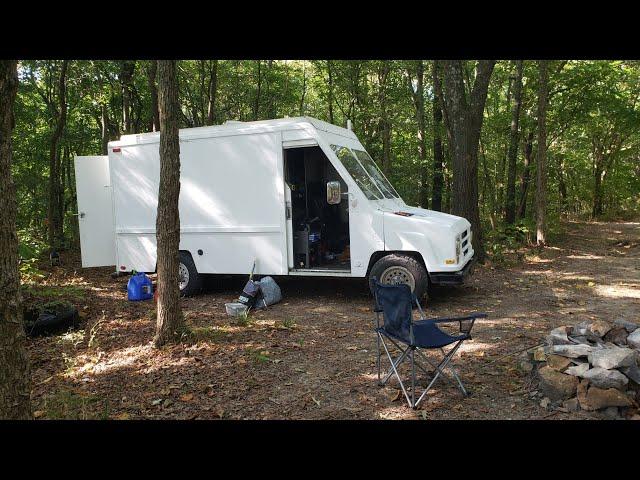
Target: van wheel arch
{"x":411,"y":261}
{"x":194,"y":283}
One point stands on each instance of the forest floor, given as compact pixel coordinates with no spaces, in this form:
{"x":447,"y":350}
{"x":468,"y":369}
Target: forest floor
{"x":312,"y":356}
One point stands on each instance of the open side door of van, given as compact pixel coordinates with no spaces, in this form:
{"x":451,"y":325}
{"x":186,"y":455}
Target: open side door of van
{"x":95,"y":211}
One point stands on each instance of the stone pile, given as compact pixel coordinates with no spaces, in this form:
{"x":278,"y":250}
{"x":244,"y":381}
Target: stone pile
{"x":591,"y":366}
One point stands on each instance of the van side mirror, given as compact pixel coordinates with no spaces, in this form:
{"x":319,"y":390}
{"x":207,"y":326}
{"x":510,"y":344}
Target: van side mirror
{"x":333,"y":193}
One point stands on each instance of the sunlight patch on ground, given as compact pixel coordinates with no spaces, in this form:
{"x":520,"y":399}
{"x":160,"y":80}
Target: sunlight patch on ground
{"x":585,"y":256}
{"x":101,"y":363}
{"x":617,"y":291}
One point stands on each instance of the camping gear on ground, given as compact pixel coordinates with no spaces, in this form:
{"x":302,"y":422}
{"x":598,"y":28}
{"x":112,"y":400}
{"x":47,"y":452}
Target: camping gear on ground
{"x":139,"y":287}
{"x":270,"y":292}
{"x":398,"y":327}
{"x":51,"y":318}
{"x":251,"y":291}
{"x":235,"y":309}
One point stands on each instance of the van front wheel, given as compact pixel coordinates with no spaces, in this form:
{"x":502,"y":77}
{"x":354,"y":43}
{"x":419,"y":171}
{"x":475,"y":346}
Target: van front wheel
{"x":394,"y":269}
{"x":190,"y":281}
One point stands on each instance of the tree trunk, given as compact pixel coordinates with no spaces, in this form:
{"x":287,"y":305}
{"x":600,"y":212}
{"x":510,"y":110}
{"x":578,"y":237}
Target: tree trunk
{"x":510,"y":207}
{"x":385,"y":124}
{"x":104,"y":129}
{"x":465,"y":122}
{"x":524,"y":179}
{"x":562,"y":186}
{"x":213,"y":90}
{"x":256,"y":105}
{"x":438,"y":157}
{"x":15,"y":402}
{"x":330,"y":84}
{"x":54,"y":210}
{"x":418,"y":102}
{"x":153,"y":88}
{"x":127,"y":68}
{"x":169,"y":318}
{"x":597,"y":187}
{"x":541,"y":157}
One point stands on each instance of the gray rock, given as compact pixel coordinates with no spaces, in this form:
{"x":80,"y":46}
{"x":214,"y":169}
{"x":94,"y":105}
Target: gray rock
{"x":632,"y":372}
{"x":612,"y":357}
{"x":558,"y":336}
{"x":629,"y":326}
{"x":572,"y":351}
{"x":579,"y":339}
{"x":555,"y":385}
{"x":578,"y":370}
{"x":558,"y":362}
{"x":602,"y":378}
{"x":611,"y":413}
{"x":545,"y":402}
{"x":580,"y":329}
{"x":617,"y":335}
{"x":599,"y":328}
{"x":571,"y":405}
{"x":634,"y":339}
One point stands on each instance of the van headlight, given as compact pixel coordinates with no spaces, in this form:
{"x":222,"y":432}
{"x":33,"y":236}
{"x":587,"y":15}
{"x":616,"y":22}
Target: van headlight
{"x":458,"y":248}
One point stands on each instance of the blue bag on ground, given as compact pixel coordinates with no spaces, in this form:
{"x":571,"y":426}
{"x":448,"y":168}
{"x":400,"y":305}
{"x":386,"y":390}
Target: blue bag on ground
{"x":139,"y":287}
{"x":270,"y":292}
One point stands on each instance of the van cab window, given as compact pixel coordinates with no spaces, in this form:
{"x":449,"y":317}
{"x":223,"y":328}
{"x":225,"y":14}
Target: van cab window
{"x":357,"y":172}
{"x":373,"y":170}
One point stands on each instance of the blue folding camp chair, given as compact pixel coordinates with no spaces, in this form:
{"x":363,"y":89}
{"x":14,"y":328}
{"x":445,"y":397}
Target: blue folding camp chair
{"x":398,"y":327}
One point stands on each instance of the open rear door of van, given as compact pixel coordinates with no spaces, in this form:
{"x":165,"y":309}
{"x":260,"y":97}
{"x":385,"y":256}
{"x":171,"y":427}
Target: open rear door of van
{"x":95,"y":211}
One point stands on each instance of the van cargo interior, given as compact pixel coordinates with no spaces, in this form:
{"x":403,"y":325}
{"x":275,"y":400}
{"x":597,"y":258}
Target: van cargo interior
{"x":320,"y":230}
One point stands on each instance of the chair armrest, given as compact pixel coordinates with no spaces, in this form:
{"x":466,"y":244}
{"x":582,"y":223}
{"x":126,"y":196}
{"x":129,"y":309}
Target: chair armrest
{"x":473,"y":316}
{"x":468,"y":320}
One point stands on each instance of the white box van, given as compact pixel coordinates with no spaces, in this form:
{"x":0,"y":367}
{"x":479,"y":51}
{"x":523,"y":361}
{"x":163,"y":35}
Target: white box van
{"x":298,"y":195}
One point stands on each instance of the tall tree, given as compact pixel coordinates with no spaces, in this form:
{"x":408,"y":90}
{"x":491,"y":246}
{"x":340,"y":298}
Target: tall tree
{"x":465,"y":123}
{"x":510,"y":207}
{"x":524,"y":177}
{"x":384,"y":125}
{"x":541,"y":157}
{"x":152,"y":71}
{"x":56,"y":191}
{"x":213,"y":92}
{"x":417,"y":94}
{"x":127,"y":69}
{"x":15,"y":402}
{"x":438,"y":156}
{"x":169,"y":317}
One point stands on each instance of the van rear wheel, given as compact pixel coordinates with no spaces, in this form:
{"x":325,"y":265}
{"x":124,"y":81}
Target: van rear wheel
{"x":190,"y":281}
{"x":394,"y":269}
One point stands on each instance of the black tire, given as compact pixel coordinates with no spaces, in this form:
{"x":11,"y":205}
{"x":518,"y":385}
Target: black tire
{"x":194,"y":280}
{"x":410,"y":266}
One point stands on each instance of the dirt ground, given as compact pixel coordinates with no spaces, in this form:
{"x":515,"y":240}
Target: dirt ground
{"x":313,"y":355}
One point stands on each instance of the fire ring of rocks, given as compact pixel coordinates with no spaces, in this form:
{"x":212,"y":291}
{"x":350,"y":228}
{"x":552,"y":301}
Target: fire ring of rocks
{"x":591,"y":366}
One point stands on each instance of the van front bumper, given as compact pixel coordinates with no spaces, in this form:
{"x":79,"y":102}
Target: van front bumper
{"x":452,"y":278}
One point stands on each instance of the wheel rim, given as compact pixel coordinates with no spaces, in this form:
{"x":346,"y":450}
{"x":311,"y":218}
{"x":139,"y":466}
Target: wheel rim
{"x":397,"y":275}
{"x":183,"y":275}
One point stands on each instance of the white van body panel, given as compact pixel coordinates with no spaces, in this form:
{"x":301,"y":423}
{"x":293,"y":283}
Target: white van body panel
{"x":233,"y":202}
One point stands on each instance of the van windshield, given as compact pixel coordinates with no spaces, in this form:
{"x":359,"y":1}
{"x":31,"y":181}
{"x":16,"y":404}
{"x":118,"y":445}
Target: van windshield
{"x":357,"y":172}
{"x":373,"y":170}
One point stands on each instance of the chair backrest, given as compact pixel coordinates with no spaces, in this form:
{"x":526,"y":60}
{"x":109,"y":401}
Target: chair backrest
{"x":395,"y":301}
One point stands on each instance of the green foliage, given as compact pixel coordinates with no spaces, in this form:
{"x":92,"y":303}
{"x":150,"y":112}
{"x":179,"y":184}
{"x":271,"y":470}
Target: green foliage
{"x":593,"y":107}
{"x":30,"y":250}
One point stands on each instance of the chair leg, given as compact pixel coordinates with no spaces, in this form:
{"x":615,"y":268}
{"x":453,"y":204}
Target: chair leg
{"x":395,"y":371}
{"x":378,"y":357}
{"x":413,"y":379}
{"x":440,"y":370}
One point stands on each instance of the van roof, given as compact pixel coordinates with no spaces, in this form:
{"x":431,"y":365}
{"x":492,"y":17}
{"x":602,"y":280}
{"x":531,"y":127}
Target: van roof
{"x":237,"y":127}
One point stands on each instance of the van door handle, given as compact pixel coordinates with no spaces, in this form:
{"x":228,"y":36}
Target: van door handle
{"x":288,"y":210}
